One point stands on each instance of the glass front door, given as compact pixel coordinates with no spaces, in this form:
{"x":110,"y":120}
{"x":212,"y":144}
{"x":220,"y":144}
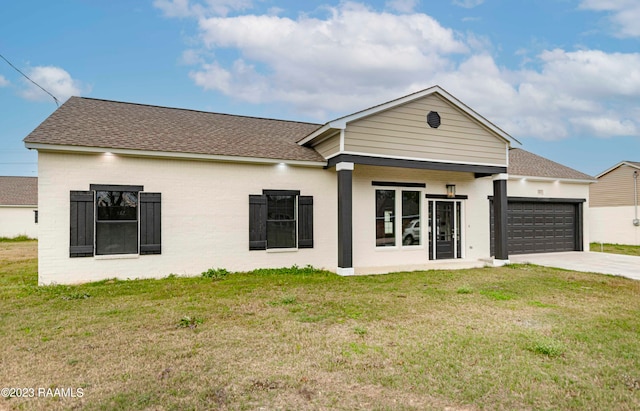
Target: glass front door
{"x":445,"y":226}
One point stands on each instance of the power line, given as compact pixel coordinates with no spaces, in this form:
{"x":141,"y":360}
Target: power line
{"x":27,"y":77}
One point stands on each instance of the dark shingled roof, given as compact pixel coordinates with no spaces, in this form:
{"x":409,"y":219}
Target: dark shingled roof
{"x":109,"y":124}
{"x":115,"y":125}
{"x":18,"y":191}
{"x":524,"y":163}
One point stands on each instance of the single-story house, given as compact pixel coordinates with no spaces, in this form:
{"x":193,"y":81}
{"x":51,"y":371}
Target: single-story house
{"x":137,"y":191}
{"x":614,"y":205}
{"x":18,"y":206}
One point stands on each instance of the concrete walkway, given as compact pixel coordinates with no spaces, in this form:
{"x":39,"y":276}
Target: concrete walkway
{"x":590,"y":262}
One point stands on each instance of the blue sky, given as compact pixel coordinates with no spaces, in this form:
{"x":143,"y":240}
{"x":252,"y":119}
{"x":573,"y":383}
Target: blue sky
{"x":562,"y":76}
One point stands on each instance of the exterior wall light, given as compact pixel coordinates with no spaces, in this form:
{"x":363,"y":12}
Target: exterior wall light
{"x":451,"y":190}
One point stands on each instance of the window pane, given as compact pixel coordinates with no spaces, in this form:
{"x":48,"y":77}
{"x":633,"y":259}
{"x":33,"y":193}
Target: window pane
{"x":281,"y":207}
{"x":116,"y":238}
{"x":281,"y":221}
{"x":117,"y":205}
{"x":385,"y":218}
{"x":281,"y":234}
{"x":117,"y":222}
{"x":411,"y":218}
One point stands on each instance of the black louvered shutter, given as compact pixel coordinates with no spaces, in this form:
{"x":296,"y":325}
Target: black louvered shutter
{"x":257,"y":222}
{"x":150,"y":223}
{"x":81,"y":223}
{"x":305,"y":222}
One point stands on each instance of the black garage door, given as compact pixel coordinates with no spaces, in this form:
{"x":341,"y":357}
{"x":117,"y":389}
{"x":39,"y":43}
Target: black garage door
{"x":542,"y":226}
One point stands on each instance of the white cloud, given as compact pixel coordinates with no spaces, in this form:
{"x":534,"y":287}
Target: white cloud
{"x":3,"y":81}
{"x":53,"y":79}
{"x":402,"y":6}
{"x":190,"y":57}
{"x":186,"y":8}
{"x":175,"y":8}
{"x":354,"y":53}
{"x":624,"y":14}
{"x":467,"y":4}
{"x":573,"y":94}
{"x":355,"y":57}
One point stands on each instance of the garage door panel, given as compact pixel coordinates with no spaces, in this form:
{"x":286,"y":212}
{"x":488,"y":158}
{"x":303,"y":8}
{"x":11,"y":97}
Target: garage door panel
{"x":540,"y":227}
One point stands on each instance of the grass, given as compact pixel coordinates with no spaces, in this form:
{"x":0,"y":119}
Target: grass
{"x":616,"y":248}
{"x":517,"y":337}
{"x":15,"y":239}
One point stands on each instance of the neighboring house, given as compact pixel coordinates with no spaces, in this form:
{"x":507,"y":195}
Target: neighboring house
{"x":614,"y":205}
{"x":136,"y":191}
{"x":18,"y":206}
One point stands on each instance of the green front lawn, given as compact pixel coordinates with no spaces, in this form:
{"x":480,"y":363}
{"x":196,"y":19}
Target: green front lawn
{"x":616,"y":248}
{"x":514,"y":338}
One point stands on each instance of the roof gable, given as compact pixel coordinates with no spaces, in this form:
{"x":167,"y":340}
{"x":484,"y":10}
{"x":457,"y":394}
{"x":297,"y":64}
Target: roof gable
{"x":18,"y":191}
{"x":403,"y":131}
{"x":633,"y":164}
{"x":341,"y":123}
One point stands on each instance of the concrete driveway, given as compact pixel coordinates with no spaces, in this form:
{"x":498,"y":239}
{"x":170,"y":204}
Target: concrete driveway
{"x":603,"y":263}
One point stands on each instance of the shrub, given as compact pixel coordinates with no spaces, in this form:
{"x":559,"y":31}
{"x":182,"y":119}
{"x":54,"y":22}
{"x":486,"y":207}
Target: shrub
{"x":215,"y":274}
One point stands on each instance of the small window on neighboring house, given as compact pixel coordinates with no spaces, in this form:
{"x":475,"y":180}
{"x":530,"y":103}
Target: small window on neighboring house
{"x":35,"y":216}
{"x":114,"y":219}
{"x":280,"y":219}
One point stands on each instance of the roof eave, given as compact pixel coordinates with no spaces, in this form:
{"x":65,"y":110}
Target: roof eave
{"x":174,"y":155}
{"x":559,"y":179}
{"x":327,"y":128}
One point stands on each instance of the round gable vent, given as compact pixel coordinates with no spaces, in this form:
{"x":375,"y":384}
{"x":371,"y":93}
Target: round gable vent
{"x":433,"y":119}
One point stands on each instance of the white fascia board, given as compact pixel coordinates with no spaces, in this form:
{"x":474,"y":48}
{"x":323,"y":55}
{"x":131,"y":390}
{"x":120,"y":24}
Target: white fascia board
{"x":332,"y":125}
{"x":172,"y":155}
{"x":18,"y":206}
{"x":562,"y":180}
{"x":625,"y":163}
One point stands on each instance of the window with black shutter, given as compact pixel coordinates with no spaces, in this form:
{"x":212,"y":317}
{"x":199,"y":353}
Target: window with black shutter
{"x":280,"y":219}
{"x":116,"y":222}
{"x":150,"y":223}
{"x":81,"y":224}
{"x":305,"y":222}
{"x":114,"y":219}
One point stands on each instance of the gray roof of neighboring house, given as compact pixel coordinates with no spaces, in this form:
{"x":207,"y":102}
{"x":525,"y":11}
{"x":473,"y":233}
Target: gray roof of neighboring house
{"x":109,"y":124}
{"x":18,"y":191}
{"x":524,"y":163}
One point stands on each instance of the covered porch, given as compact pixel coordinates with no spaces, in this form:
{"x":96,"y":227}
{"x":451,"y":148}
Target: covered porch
{"x":396,"y":214}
